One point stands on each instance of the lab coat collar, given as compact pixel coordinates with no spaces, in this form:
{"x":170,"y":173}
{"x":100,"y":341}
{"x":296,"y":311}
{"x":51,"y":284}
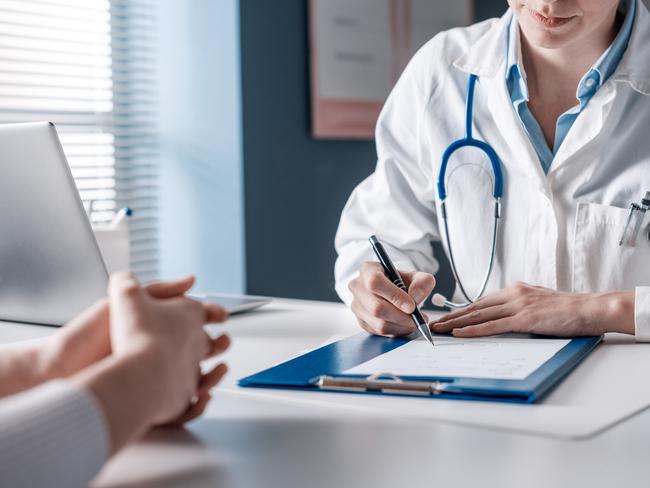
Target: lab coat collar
{"x":487,"y":56}
{"x":487,"y":59}
{"x":634,"y":68}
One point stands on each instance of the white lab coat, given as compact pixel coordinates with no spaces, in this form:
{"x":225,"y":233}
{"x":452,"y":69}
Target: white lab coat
{"x":559,"y":230}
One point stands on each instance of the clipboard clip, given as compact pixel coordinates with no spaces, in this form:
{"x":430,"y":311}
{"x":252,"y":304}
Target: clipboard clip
{"x":382,"y":383}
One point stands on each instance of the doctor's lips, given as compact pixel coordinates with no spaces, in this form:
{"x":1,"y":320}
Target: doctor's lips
{"x":549,"y":21}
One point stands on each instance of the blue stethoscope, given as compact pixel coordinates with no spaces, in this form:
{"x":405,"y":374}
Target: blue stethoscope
{"x":469,"y":141}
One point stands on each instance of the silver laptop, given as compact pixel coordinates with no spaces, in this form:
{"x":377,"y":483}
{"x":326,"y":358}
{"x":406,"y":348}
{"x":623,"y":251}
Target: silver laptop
{"x":50,"y":265}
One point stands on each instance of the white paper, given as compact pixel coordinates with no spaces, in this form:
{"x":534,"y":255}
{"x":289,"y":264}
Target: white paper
{"x":487,"y":358}
{"x":357,"y":43}
{"x":354,"y":49}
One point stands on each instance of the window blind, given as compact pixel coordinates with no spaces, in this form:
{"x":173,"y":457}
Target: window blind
{"x":89,"y":67}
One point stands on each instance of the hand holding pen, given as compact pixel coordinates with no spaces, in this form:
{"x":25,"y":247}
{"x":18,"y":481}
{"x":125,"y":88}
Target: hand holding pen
{"x":381,"y":307}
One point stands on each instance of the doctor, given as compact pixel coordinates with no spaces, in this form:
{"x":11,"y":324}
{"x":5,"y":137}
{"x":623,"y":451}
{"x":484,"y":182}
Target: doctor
{"x":562,"y":96}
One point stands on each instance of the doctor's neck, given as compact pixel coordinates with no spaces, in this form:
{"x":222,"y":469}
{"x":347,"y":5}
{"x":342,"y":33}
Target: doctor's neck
{"x":561,"y":40}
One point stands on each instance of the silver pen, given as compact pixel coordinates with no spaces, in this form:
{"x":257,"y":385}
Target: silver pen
{"x":634,"y":221}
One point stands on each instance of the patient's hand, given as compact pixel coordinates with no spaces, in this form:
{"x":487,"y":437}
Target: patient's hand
{"x":86,"y":338}
{"x":537,"y":310}
{"x":81,"y":343}
{"x":152,"y":374}
{"x":168,"y":340}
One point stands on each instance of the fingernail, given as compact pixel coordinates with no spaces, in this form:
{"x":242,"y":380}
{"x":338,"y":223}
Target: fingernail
{"x":440,"y":326}
{"x":224,"y":340}
{"x":418,"y":296}
{"x":406,"y":307}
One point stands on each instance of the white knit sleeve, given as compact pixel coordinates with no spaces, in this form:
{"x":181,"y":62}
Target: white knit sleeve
{"x":53,"y":435}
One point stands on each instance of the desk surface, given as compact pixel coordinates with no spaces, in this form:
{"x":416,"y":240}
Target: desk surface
{"x":248,"y":441}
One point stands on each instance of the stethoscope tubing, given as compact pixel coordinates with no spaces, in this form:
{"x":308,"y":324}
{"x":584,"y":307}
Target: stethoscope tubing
{"x":488,"y":272}
{"x":469,"y":141}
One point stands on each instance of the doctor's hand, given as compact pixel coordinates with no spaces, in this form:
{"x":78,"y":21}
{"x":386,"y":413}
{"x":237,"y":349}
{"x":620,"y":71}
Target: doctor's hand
{"x":537,"y":310}
{"x":381,"y":307}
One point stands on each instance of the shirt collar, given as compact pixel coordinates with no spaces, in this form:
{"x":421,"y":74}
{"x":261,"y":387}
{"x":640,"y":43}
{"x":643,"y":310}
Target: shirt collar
{"x":513,"y":54}
{"x":605,"y":66}
{"x":594,"y":78}
{"x":515,"y":72}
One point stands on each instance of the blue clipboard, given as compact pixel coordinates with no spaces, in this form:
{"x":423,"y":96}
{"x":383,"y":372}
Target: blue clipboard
{"x":322,"y":370}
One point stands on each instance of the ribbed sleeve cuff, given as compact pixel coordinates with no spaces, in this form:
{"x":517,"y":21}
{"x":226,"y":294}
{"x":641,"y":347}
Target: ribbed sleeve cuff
{"x":642,"y":313}
{"x":53,"y":435}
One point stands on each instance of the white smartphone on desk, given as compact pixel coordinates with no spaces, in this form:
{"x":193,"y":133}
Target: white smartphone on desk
{"x":233,"y":304}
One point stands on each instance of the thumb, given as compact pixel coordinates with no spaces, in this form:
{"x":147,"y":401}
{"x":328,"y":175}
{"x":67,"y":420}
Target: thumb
{"x":419,"y":285}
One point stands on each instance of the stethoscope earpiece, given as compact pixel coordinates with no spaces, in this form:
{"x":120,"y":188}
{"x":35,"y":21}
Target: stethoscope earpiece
{"x":438,"y":300}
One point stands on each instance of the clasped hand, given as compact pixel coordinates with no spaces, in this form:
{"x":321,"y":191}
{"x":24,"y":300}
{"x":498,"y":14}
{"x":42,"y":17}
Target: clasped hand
{"x":159,"y":330}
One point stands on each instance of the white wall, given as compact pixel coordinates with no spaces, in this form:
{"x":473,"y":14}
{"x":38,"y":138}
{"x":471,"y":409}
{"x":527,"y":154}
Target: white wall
{"x":202,"y":215}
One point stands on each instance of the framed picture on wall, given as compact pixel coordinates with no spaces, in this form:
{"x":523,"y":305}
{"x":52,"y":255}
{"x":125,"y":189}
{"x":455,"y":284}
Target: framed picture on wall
{"x":358,"y":50}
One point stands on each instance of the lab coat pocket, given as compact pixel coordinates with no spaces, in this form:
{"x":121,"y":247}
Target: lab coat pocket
{"x":599,"y":263}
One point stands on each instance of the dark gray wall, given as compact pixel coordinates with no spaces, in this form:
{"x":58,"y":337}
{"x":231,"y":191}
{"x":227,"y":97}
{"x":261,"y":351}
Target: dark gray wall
{"x":485,"y":9}
{"x":295,"y":187}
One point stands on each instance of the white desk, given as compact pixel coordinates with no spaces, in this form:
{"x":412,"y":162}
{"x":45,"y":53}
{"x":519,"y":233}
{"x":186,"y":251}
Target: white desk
{"x":248,"y":441}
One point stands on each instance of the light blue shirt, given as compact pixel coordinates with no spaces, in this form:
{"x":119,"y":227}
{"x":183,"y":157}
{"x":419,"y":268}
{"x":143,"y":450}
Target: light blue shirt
{"x":587,"y":88}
